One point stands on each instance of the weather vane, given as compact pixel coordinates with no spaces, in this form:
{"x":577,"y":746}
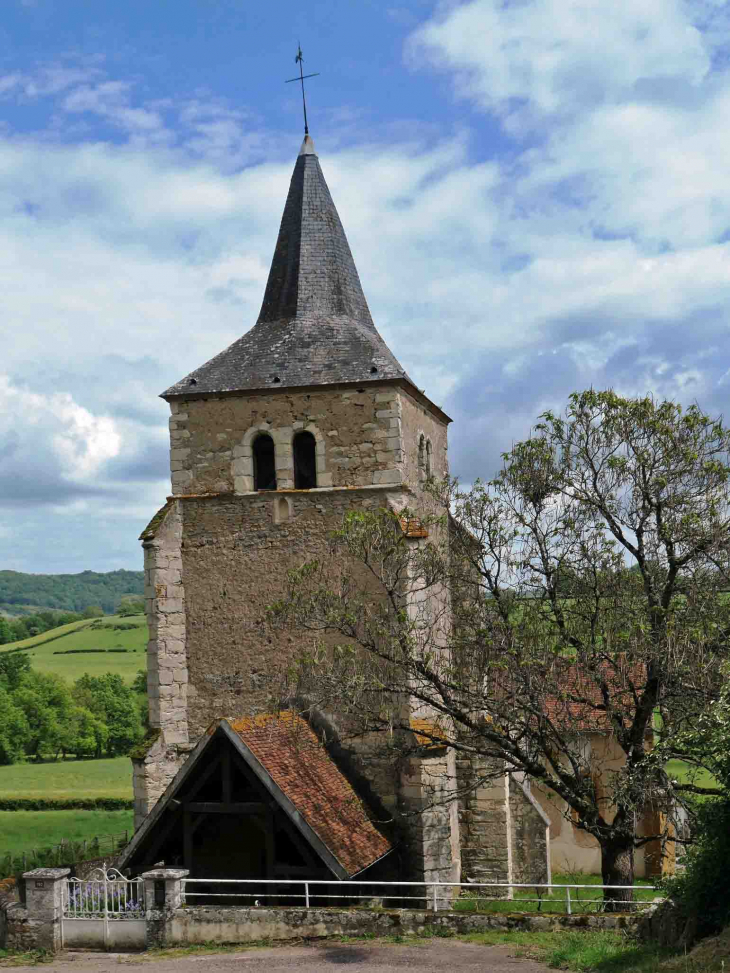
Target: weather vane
{"x":300,"y":61}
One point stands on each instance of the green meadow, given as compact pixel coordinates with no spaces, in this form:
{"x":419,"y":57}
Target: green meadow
{"x":67,"y":780}
{"x":24,"y":831}
{"x":58,"y":650}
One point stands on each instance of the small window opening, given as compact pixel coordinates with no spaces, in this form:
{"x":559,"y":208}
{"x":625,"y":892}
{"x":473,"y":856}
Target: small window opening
{"x":305,"y":461}
{"x":374,"y":369}
{"x":264,"y":463}
{"x":421,"y":455}
{"x":275,"y":379}
{"x":193,"y":381}
{"x":429,"y":459}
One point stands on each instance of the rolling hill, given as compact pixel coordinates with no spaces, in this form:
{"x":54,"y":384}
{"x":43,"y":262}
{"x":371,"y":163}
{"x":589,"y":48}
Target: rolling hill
{"x":93,"y":646}
{"x":68,"y":592}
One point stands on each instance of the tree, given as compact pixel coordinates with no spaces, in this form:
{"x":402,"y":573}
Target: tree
{"x":13,"y":729}
{"x":625,"y":501}
{"x":93,"y":611}
{"x":45,"y":701}
{"x":6,"y":634}
{"x":108,"y":698}
{"x":13,"y":665}
{"x":130,"y":605}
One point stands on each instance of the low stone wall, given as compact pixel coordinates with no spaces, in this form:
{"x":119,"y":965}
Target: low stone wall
{"x":205,"y":924}
{"x":664,"y":923}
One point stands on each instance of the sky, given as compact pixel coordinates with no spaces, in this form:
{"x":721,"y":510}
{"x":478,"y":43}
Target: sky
{"x":535,"y":192}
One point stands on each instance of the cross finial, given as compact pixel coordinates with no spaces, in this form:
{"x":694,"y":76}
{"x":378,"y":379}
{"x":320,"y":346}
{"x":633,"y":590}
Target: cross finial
{"x":299,"y":59}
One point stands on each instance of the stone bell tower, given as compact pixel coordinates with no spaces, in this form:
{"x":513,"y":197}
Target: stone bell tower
{"x":305,"y":417}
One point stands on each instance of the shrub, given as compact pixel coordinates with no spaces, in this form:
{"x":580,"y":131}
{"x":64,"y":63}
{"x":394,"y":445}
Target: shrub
{"x":703,"y":888}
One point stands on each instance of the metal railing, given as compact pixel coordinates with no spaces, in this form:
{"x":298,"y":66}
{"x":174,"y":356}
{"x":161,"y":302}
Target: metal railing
{"x":436,"y":896}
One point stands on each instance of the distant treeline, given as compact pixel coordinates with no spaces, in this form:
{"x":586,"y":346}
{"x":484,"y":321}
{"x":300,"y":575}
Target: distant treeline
{"x":41,"y":716}
{"x":68,"y":592}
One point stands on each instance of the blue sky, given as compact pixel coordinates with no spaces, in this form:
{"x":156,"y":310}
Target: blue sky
{"x":535,"y":192}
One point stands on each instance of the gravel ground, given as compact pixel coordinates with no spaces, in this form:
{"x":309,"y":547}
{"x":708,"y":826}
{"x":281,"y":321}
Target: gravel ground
{"x":432,"y":957}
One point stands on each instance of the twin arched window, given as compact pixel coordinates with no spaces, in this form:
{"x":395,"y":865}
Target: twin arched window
{"x":305,"y":462}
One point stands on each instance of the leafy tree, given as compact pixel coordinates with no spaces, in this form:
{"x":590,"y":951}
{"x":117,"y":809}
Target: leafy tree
{"x":139,"y":684}
{"x":85,"y":733}
{"x":45,"y":701}
{"x":5,"y":631}
{"x":526,"y":672}
{"x":13,"y":729}
{"x":13,"y":665}
{"x":93,"y":611}
{"x":131,"y":605}
{"x":116,"y":705}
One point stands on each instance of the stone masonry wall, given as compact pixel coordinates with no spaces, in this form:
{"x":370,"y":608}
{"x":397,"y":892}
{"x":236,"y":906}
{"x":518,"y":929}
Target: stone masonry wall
{"x":529,"y":836}
{"x":167,"y":672}
{"x":484,"y":823}
{"x":359,"y":430}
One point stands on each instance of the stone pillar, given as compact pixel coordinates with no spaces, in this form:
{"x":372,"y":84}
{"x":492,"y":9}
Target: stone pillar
{"x":44,"y":888}
{"x":163,"y":895}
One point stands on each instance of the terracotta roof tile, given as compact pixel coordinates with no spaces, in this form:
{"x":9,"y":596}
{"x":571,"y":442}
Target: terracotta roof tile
{"x":287,"y":747}
{"x":580,"y":705}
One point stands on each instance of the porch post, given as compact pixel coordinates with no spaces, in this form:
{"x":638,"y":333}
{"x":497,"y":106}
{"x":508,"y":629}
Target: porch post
{"x":163,"y":894}
{"x":44,"y":888}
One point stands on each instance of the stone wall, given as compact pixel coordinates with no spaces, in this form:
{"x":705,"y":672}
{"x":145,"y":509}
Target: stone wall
{"x":360,"y":432}
{"x":504,"y":832}
{"x":530,"y":835}
{"x":221,"y":925}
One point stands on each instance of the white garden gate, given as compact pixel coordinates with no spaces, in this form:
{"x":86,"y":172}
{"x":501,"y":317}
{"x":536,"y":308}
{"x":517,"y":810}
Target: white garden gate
{"x":104,"y":911}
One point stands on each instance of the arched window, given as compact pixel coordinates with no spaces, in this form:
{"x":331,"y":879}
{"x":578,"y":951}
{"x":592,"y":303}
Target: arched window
{"x":421,"y":456}
{"x":305,"y":461}
{"x":429,"y":459}
{"x":264,"y":463}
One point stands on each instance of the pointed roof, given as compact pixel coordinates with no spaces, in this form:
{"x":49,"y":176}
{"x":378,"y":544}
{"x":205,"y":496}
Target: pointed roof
{"x":293,"y":766}
{"x":315,"y":326}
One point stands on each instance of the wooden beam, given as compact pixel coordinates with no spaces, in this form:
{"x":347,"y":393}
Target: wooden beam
{"x":225,"y":807}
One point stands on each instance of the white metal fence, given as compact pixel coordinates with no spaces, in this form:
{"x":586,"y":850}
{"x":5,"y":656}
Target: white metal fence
{"x":460,"y":897}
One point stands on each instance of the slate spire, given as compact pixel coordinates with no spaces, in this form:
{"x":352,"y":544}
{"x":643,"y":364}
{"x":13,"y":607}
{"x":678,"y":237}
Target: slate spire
{"x":315,"y":326}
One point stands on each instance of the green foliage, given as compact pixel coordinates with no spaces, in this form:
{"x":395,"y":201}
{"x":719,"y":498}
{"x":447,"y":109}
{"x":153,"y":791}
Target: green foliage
{"x":13,"y":729}
{"x":93,"y":611}
{"x":69,"y":592}
{"x":12,"y":667}
{"x":703,"y":888}
{"x":115,"y":705}
{"x":131,"y":605}
{"x":65,"y":804}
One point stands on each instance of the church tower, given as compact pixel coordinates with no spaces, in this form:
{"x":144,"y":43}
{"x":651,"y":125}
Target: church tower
{"x":305,"y":417}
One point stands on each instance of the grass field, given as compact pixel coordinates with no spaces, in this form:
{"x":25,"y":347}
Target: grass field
{"x":48,"y":652}
{"x":69,"y":779}
{"x":24,"y":830}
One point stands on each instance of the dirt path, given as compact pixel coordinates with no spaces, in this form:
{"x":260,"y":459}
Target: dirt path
{"x":430,"y":957}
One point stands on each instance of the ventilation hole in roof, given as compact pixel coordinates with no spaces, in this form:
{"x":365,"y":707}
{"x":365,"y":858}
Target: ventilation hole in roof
{"x":374,"y":369}
{"x":275,"y":379}
{"x":193,"y":381}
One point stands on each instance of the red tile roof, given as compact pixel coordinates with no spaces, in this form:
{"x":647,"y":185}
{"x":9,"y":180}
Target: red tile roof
{"x":580,"y":703}
{"x":288,"y":749}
